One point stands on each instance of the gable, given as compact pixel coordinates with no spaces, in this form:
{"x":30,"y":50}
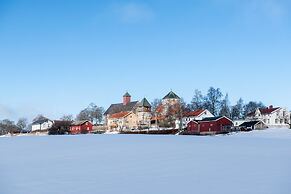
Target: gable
{"x":117,"y":108}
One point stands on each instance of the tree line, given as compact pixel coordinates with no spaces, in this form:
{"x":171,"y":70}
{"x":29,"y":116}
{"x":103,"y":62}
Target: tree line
{"x":217,"y":103}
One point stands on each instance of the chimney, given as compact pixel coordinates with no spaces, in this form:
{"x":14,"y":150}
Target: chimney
{"x":126,"y":98}
{"x":271,"y":106}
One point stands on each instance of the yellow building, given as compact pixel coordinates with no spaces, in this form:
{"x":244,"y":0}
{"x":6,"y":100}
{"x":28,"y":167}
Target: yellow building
{"x":129,"y":115}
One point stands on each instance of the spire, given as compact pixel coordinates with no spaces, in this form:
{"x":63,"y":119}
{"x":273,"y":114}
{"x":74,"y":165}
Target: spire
{"x":126,"y":95}
{"x":145,"y":103}
{"x":126,"y":98}
{"x":171,"y":95}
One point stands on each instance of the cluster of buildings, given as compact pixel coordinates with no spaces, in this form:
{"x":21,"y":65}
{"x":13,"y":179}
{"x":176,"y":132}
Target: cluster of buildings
{"x":270,"y":117}
{"x":131,"y":115}
{"x":44,"y":124}
{"x":137,"y":115}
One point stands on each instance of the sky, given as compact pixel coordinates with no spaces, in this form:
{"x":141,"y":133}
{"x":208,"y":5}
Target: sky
{"x":58,"y":56}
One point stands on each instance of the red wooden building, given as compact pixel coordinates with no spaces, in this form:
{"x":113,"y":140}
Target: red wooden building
{"x":81,"y":127}
{"x":212,"y":125}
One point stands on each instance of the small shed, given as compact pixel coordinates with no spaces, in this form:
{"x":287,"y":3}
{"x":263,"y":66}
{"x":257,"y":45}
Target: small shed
{"x":81,"y":127}
{"x":252,"y":125}
{"x":208,"y":126}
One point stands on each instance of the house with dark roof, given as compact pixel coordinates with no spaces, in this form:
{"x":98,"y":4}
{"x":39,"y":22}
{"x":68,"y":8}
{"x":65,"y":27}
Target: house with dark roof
{"x":273,"y":117}
{"x":41,"y":124}
{"x":252,"y":125}
{"x":209,"y":126}
{"x":167,"y":111}
{"x":128,"y":115}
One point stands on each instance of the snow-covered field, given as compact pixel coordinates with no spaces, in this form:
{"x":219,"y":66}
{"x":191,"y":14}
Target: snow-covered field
{"x":247,"y":163}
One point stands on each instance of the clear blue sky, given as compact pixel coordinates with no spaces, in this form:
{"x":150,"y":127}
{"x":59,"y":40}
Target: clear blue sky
{"x":58,"y":56}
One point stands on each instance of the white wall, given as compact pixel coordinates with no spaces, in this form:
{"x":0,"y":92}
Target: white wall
{"x":42,"y":127}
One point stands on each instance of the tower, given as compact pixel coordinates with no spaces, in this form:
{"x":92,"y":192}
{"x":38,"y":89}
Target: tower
{"x":126,"y":99}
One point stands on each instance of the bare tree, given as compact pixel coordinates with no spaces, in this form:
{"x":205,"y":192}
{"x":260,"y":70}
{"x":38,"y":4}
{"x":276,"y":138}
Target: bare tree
{"x":38,"y":117}
{"x":92,"y":113}
{"x":22,"y":123}
{"x":67,"y":118}
{"x":252,"y":106}
{"x":96,"y":113}
{"x":225,"y":107}
{"x":8,"y":126}
{"x":213,"y":100}
{"x":155,"y":104}
{"x":237,"y":111}
{"x":197,"y":100}
{"x":84,"y":115}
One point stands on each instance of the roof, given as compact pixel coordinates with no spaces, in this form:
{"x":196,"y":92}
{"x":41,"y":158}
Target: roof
{"x":58,"y":123}
{"x":214,"y":119}
{"x":118,"y":115}
{"x":171,"y":95}
{"x":144,"y":103}
{"x":41,"y":120}
{"x":264,"y":111}
{"x":126,"y":95}
{"x":211,"y":118}
{"x":195,"y":113}
{"x":249,"y":123}
{"x":76,"y":123}
{"x":193,"y":122}
{"x":120,"y":107}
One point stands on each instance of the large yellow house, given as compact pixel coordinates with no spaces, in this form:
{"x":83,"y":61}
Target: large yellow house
{"x":128,"y":115}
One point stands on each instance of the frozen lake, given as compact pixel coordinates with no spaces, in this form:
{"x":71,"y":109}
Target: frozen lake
{"x":248,"y":163}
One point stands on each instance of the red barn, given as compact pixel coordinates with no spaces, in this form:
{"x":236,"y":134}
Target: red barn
{"x":212,"y":125}
{"x":81,"y":127}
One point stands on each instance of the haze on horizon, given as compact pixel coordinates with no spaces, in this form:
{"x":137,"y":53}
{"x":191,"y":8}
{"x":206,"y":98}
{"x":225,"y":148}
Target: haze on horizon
{"x":56,"y":57}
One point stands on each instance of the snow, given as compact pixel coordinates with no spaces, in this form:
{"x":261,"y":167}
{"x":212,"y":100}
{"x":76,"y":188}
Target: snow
{"x":257,"y":162}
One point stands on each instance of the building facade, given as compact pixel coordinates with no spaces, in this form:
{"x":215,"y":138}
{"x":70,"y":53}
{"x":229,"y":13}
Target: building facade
{"x":81,"y":127}
{"x":273,"y":117}
{"x":168,"y":111}
{"x":209,"y":126}
{"x":41,"y":124}
{"x":128,"y":115}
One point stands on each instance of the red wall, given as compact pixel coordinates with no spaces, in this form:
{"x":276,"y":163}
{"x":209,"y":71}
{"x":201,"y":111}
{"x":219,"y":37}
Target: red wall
{"x":215,"y":126}
{"x":192,"y":127}
{"x":78,"y":129}
{"x":208,"y":126}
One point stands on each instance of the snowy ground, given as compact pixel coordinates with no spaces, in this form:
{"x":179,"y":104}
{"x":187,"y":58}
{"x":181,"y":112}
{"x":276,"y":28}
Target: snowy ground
{"x":247,"y":163}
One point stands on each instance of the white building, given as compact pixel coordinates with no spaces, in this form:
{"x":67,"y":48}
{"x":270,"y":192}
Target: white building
{"x":42,"y":124}
{"x":197,"y":115}
{"x":237,"y":123}
{"x":272,"y":117}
